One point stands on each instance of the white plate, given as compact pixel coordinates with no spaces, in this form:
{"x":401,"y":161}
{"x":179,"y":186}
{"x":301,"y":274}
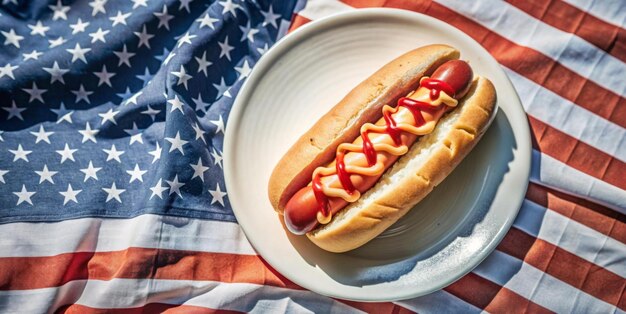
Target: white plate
{"x":440,"y":240}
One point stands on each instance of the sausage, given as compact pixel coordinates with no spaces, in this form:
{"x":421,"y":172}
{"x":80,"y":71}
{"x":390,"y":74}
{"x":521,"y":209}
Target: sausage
{"x":301,"y":210}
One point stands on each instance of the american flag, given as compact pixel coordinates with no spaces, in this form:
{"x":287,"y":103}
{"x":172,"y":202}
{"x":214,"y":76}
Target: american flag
{"x":112,"y":118}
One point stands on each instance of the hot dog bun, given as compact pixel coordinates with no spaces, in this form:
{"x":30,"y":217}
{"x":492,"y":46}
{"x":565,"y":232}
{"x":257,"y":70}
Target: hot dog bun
{"x":413,"y":176}
{"x":342,"y":123}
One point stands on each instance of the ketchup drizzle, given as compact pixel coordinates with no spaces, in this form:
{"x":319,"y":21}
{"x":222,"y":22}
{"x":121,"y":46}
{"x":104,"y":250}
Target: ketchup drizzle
{"x":415,"y":106}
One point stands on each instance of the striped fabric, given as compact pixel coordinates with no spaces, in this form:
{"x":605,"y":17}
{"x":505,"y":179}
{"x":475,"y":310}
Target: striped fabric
{"x":566,"y":251}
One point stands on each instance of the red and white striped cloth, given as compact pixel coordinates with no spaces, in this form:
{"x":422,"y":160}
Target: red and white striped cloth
{"x":566,"y":251}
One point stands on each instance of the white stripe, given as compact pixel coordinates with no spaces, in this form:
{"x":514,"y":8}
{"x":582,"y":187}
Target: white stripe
{"x":539,"y":287}
{"x":439,"y":302}
{"x":555,"y":174}
{"x":317,"y":9}
{"x":568,"y":49}
{"x":101,"y":235}
{"x":570,"y":118}
{"x":573,"y":237}
{"x":112,"y":294}
{"x":612,"y":11}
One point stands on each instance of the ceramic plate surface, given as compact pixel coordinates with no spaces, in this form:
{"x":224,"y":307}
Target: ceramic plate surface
{"x":447,"y":234}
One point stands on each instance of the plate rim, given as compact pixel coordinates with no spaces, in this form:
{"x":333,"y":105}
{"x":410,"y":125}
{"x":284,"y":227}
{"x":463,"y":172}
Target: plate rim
{"x":282,"y":46}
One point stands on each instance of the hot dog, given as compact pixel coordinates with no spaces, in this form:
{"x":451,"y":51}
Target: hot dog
{"x":345,"y":169}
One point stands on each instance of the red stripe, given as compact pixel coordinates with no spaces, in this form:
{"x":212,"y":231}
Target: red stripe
{"x":565,"y":266}
{"x":297,"y":21}
{"x":20,"y":273}
{"x":577,"y":154}
{"x":492,"y":297}
{"x":530,"y":63}
{"x":592,"y":215}
{"x":377,"y":307}
{"x":568,"y":18}
{"x":148,"y":308}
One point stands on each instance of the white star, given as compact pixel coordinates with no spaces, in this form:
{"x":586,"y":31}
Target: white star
{"x":177,"y":143}
{"x":144,"y":37}
{"x":32,"y":55}
{"x":7,"y":70}
{"x":63,"y":114}
{"x":38,"y":29}
{"x":198,"y":170}
{"x":42,"y":135}
{"x":120,"y":18}
{"x":176,"y":104}
{"x":199,"y":132}
{"x":113,"y":193}
{"x":82,"y":94}
{"x":113,"y":153}
{"x":207,"y":20}
{"x":263,"y":50}
{"x":133,"y":98}
{"x":151,"y":112}
{"x":57,"y":42}
{"x":229,"y":6}
{"x":70,"y":194}
{"x":98,"y":6}
{"x":185,"y":4}
{"x":186,"y":39}
{"x":98,"y":35}
{"x":24,"y":196}
{"x":203,"y":63}
{"x":219,"y":123}
{"x":136,"y":174}
{"x":218,"y":195}
{"x":157,"y":190}
{"x":135,"y":135}
{"x":46,"y":175}
{"x":182,"y":76}
{"x":90,"y":172}
{"x":217,"y":158}
{"x":66,"y":153}
{"x":59,"y":11}
{"x":35,"y":93}
{"x":89,"y":134}
{"x":200,"y":104}
{"x":78,"y":53}
{"x":164,"y":18}
{"x":270,"y":17}
{"x":244,"y":70}
{"x":79,"y":27}
{"x":108,"y":116}
{"x":138,"y":3}
{"x":225,"y":48}
{"x":14,"y":111}
{"x":56,"y":73}
{"x":2,"y":173}
{"x":124,"y":56}
{"x":222,"y":89}
{"x":248,"y":32}
{"x":104,"y":77}
{"x":175,"y":186}
{"x":20,"y":153}
{"x":156,"y":153}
